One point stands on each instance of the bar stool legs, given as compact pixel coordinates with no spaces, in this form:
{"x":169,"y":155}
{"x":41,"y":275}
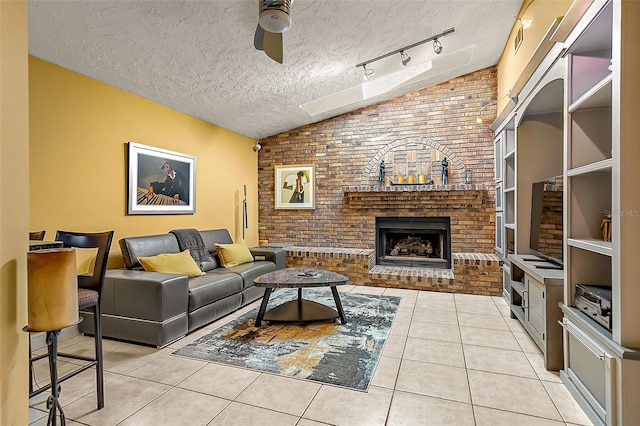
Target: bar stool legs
{"x":53,"y":403}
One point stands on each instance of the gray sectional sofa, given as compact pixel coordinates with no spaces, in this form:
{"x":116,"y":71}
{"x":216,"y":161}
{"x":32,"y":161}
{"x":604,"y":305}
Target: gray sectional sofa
{"x":157,"y":308}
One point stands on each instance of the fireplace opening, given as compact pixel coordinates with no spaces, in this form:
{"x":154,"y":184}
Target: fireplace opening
{"x":423,"y":242}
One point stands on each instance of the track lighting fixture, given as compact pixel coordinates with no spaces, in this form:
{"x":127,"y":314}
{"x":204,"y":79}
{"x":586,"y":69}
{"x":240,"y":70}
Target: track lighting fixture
{"x":368,"y":73}
{"x":404,"y":57}
{"x":257,"y":147}
{"x":437,"y":46}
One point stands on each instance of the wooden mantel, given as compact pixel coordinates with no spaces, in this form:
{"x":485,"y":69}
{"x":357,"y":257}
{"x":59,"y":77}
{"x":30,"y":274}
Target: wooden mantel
{"x":414,"y":188}
{"x":471,"y":197}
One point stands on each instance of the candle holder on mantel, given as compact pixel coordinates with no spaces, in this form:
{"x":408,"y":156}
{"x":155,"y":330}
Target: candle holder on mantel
{"x":424,"y":174}
{"x":401,"y":170}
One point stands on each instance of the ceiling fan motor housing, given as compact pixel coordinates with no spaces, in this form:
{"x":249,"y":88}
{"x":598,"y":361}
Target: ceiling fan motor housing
{"x":275,"y":15}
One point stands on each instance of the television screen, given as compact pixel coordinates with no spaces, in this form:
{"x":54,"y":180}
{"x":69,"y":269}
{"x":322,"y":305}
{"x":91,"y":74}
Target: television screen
{"x":546,"y":219}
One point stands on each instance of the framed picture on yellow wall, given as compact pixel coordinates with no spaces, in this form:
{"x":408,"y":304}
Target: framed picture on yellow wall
{"x":295,"y":187}
{"x":160,"y":181}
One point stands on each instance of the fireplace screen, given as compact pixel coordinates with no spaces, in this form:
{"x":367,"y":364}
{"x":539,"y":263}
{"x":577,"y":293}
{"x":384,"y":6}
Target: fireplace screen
{"x":416,"y":242}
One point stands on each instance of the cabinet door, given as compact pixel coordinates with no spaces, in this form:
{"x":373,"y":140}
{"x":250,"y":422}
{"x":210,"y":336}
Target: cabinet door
{"x":536,"y":307}
{"x":499,"y":235}
{"x":498,"y":158}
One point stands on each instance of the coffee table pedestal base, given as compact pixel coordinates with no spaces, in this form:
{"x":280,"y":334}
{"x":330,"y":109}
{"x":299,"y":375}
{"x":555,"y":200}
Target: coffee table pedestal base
{"x":300,"y":310}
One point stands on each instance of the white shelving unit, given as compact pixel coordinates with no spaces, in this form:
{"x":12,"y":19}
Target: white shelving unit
{"x":602,"y":370}
{"x":504,"y":157}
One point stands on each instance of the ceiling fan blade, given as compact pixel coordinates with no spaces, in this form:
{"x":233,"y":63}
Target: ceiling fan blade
{"x":258,"y":38}
{"x":273,"y":45}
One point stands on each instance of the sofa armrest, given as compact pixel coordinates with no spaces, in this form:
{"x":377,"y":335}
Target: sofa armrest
{"x":152,"y":296}
{"x":275,"y":255}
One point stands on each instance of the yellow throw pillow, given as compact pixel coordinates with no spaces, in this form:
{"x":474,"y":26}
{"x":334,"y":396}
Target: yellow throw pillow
{"x":172,"y":263}
{"x":85,"y":260}
{"x":234,"y":254}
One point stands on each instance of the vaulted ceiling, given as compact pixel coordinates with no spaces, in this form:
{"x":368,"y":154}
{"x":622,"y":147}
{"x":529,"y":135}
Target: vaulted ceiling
{"x":198,"y":56}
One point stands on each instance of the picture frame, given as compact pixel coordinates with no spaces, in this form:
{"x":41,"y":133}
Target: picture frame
{"x":295,"y":186}
{"x":160,"y":181}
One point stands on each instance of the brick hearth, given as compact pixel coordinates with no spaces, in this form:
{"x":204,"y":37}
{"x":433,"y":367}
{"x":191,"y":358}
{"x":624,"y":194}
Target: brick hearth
{"x":472,"y":273}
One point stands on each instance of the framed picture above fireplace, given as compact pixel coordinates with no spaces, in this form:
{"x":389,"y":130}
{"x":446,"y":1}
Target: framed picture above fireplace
{"x":295,"y":187}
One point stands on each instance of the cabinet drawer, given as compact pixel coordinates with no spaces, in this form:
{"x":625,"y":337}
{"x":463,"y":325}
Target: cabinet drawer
{"x":591,"y":370}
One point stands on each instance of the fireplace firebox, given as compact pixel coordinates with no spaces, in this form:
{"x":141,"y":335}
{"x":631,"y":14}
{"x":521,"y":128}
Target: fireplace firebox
{"x":423,"y":242}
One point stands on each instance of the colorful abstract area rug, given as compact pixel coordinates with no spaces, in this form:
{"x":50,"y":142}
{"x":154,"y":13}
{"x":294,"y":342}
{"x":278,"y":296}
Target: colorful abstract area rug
{"x":328,"y":352}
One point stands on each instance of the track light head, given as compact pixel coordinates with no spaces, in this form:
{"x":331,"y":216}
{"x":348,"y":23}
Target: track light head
{"x":257,"y":147}
{"x":437,"y":46}
{"x":404,"y":58}
{"x":368,"y":73}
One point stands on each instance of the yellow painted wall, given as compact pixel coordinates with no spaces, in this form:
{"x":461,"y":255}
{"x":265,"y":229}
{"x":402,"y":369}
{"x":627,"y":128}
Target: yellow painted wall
{"x":541,"y":13}
{"x":14,"y":212}
{"x":79,"y":128}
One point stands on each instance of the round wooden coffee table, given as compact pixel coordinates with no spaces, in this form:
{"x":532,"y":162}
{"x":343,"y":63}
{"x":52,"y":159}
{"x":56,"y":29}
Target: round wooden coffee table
{"x":300,"y":310}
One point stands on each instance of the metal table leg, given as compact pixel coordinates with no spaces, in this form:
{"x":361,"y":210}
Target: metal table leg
{"x":263,"y":306}
{"x":336,"y":299}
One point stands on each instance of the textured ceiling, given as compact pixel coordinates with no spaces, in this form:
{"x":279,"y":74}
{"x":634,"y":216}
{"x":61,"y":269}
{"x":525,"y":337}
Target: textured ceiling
{"x":198,"y":56}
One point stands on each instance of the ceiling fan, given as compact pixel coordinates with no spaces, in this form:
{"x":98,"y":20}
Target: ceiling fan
{"x":274,"y":19}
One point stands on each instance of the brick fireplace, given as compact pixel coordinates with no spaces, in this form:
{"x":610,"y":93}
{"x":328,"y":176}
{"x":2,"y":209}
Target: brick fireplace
{"x":412,"y":132}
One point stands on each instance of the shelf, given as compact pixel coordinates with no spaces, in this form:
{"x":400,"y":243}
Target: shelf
{"x":509,"y":155}
{"x":413,"y":188}
{"x":591,"y":244}
{"x":598,"y":96}
{"x":599,"y":166}
{"x":518,"y":286}
{"x":511,"y":189}
{"x":518,"y":311}
{"x":510,"y":226}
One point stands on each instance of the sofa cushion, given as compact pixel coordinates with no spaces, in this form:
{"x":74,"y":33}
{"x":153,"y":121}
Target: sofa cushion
{"x":213,"y":236}
{"x":149,"y":245}
{"x":213,"y":286}
{"x":251,"y":271}
{"x":234,"y":254}
{"x":180,"y":263}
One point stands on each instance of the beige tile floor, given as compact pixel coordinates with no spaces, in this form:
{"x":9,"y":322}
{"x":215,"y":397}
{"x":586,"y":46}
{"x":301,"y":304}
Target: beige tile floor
{"x":450,"y":360}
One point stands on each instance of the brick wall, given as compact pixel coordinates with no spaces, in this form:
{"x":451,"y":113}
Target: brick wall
{"x":346,"y":150}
